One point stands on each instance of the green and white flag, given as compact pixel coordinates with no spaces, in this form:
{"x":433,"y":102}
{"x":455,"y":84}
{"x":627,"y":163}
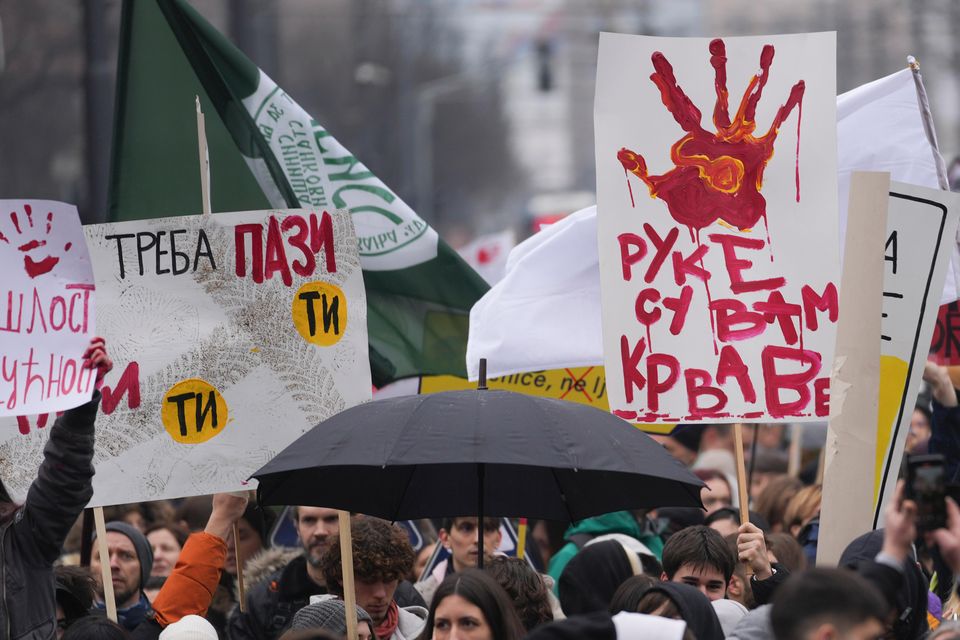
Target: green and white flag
{"x":267,"y":152}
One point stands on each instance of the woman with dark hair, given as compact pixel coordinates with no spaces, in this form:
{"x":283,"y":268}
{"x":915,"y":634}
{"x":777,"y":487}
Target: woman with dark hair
{"x":628,"y":594}
{"x":683,"y":602}
{"x":525,"y":588}
{"x":470,"y":604}
{"x":167,"y":541}
{"x":32,"y":534}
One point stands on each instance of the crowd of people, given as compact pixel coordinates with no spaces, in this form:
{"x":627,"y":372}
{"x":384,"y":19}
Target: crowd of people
{"x":671,"y":573}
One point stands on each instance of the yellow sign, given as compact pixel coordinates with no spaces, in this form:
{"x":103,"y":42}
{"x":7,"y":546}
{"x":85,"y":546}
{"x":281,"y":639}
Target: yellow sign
{"x":319,"y":311}
{"x":193,"y":411}
{"x":585,"y":385}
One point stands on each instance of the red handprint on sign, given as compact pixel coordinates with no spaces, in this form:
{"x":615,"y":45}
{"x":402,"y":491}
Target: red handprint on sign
{"x":28,"y":246}
{"x":718,"y":176}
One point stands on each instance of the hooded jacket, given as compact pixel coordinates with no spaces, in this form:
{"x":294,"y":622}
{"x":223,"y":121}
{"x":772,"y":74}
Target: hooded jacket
{"x":905,"y":590}
{"x":31,"y":541}
{"x":580,"y":533}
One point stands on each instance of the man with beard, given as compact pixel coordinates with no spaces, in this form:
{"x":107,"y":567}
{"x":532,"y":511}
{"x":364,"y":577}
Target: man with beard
{"x":131,"y":560}
{"x":272,"y":603}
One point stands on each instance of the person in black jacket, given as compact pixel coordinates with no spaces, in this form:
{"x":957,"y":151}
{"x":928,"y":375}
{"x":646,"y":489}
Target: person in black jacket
{"x":32,"y":534}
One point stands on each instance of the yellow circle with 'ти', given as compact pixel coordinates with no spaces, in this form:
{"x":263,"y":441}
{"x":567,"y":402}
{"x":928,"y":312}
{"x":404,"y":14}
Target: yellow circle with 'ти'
{"x":193,"y":411}
{"x":319,"y":312}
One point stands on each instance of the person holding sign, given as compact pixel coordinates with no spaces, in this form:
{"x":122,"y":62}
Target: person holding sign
{"x":32,"y":534}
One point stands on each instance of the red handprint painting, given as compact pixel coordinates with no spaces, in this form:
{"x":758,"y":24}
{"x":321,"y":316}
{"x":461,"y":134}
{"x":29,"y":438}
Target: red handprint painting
{"x":718,"y":175}
{"x":32,"y":239}
{"x":46,"y":307}
{"x":702,"y":322}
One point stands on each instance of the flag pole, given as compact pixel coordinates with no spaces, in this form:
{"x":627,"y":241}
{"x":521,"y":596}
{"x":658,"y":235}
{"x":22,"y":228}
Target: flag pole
{"x":927,"y":118}
{"x":106,"y":575}
{"x":204,"y":159}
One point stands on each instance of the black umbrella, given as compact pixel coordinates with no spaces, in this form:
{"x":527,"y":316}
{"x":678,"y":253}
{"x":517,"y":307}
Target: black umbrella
{"x":484,"y":452}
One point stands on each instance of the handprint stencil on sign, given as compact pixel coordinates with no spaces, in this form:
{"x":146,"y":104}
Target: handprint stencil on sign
{"x":718,"y":176}
{"x":31,"y":240}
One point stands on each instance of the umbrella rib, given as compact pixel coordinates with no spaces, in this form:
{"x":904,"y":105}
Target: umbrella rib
{"x":403,"y":494}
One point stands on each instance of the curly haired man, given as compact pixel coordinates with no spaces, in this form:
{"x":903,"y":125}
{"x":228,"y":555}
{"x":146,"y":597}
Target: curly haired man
{"x":382,"y":556}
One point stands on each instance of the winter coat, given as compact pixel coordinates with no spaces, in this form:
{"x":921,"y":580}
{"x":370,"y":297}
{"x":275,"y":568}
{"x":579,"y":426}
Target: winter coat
{"x":31,"y":542}
{"x":411,"y":622}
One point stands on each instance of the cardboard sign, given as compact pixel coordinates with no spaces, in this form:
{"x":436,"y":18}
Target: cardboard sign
{"x":718,"y":256}
{"x":921,"y":227}
{"x":231,"y":334}
{"x":46,"y":308}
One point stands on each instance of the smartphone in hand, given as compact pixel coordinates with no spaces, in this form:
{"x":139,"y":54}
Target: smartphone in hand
{"x":926,"y":485}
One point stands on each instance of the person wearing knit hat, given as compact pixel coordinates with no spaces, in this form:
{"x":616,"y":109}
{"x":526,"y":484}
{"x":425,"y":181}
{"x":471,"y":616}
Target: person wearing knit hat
{"x":190,"y":627}
{"x":131,"y":560}
{"x":331,"y":615}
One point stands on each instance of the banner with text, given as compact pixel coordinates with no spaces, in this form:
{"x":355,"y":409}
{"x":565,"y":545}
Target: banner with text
{"x":584,"y":385}
{"x":921,"y":226}
{"x":232,"y":334}
{"x":718,"y":257}
{"x":46,"y":308}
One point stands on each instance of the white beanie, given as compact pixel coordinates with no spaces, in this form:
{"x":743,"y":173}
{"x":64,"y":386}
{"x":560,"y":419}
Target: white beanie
{"x":189,"y":628}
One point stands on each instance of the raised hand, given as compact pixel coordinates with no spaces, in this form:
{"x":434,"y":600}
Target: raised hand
{"x":96,"y":357}
{"x":717,"y":176}
{"x":30,"y":236}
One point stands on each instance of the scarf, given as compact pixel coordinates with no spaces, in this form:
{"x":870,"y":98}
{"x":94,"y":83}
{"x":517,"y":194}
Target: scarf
{"x":131,"y":617}
{"x":390,"y":622}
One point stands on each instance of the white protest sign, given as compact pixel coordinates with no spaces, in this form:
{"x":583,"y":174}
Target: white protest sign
{"x":231,"y":334}
{"x":718,"y":256}
{"x":921,"y":227}
{"x":46,"y":308}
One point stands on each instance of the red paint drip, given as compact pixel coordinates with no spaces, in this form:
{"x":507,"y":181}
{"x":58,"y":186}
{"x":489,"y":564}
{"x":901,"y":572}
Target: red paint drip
{"x":649,"y":342}
{"x":706,"y":286}
{"x":3,"y":238}
{"x":67,"y":246}
{"x":16,"y":221}
{"x":29,"y":211}
{"x":766,"y":226}
{"x":799,"y":118}
{"x":49,"y":220}
{"x":626,"y":177}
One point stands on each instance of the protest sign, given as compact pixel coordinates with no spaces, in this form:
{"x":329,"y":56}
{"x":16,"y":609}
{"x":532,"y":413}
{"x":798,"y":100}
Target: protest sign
{"x":231,"y":334}
{"x":584,"y":385}
{"x":719,"y":291}
{"x":945,"y":347}
{"x":921,"y":225}
{"x":921,"y":231}
{"x":46,"y":308}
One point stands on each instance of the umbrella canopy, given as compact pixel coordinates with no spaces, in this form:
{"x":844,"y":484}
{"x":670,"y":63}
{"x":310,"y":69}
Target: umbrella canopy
{"x":485,"y":452}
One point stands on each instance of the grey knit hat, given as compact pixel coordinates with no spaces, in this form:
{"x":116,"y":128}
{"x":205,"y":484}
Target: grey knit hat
{"x":327,"y":614}
{"x":140,"y":544}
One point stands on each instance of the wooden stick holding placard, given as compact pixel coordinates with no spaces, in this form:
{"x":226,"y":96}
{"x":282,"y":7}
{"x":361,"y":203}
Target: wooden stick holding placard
{"x":205,"y":201}
{"x":741,"y":473}
{"x":204,"y":160}
{"x":346,"y":562}
{"x":106,"y":575}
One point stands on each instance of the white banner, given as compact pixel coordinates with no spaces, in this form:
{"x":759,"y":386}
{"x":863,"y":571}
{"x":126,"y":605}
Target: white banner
{"x":46,"y":308}
{"x":718,"y":256}
{"x":231,"y":334}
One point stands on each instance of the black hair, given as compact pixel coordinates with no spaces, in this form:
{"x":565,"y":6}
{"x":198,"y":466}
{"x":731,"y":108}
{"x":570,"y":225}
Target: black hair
{"x":701,"y":547}
{"x":630,"y":592}
{"x":811,"y":598}
{"x":489,"y":523}
{"x":95,"y":627}
{"x":479,"y":589}
{"x":525,"y":588}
